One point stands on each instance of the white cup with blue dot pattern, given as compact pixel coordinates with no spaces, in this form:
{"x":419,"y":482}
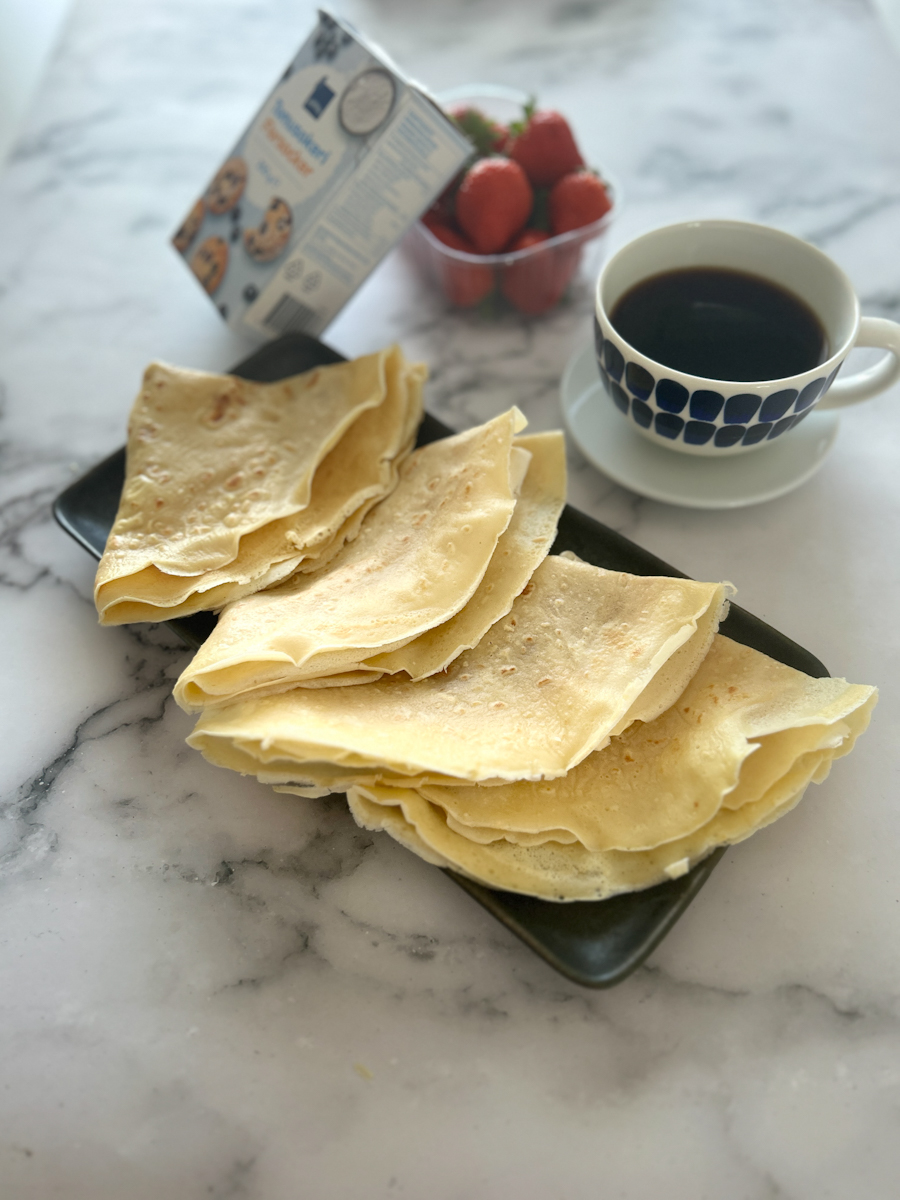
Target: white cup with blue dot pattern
{"x":715,"y":417}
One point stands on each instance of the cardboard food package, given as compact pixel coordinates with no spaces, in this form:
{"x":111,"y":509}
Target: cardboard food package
{"x":344,"y":155}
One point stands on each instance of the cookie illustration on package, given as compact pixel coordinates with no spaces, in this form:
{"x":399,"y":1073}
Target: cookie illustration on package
{"x":227,"y":186}
{"x":190,"y":227}
{"x":210,"y":262}
{"x":268,"y":241}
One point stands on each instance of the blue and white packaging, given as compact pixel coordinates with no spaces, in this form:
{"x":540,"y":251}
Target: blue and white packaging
{"x":341,"y":159}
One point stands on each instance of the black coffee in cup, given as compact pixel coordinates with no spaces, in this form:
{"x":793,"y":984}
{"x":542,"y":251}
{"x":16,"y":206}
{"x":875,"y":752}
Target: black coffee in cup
{"x":721,"y":324}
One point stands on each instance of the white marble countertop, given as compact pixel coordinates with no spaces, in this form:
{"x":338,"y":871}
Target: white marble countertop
{"x":208,"y":990}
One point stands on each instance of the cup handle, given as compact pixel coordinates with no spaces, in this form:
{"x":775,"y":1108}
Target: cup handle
{"x":882,"y":334}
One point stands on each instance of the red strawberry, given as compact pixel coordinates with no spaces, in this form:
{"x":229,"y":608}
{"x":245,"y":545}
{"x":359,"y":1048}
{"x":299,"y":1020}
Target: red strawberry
{"x":464,"y":283}
{"x":434,"y":217}
{"x":493,"y":203}
{"x":527,"y":238}
{"x":529,"y":284}
{"x":535,"y":284}
{"x":545,"y":148}
{"x":576,"y":200}
{"x":487,"y":136}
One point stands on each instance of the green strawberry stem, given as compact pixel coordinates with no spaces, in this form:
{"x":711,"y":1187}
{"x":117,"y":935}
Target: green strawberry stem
{"x":479,"y":129}
{"x":528,"y":110}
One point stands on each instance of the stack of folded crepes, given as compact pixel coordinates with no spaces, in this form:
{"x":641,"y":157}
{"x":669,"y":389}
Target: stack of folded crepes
{"x":433,"y":567}
{"x":601,"y":738}
{"x":232,"y":486}
{"x":734,"y":753}
{"x":534,"y":722}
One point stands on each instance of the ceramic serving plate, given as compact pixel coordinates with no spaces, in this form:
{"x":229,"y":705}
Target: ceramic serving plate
{"x":594,"y":943}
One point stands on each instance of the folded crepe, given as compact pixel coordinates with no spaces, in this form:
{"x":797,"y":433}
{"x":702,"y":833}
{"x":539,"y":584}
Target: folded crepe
{"x":361,"y":470}
{"x":582,"y":653}
{"x":521,"y":549}
{"x":552,"y":870}
{"x":231,"y":485}
{"x":433,"y":566}
{"x":739,"y":727}
{"x":734,"y":754}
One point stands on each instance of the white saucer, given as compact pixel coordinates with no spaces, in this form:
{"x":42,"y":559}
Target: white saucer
{"x":605,"y":437}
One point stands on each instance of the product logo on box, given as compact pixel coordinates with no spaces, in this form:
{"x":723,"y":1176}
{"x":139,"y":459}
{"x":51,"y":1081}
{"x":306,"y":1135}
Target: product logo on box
{"x":319,"y":99}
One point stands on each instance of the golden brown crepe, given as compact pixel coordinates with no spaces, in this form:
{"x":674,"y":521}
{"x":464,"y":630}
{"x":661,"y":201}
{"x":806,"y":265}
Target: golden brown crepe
{"x":568,"y":871}
{"x":230,"y":485}
{"x":228,"y":664}
{"x":521,"y":549}
{"x":739,"y":727}
{"x":546,"y":685}
{"x":418,"y":558}
{"x":735,"y":753}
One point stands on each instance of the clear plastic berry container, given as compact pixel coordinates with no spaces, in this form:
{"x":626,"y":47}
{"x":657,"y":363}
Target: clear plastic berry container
{"x":532,"y":281}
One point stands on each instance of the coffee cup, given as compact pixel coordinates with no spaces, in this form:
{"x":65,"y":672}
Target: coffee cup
{"x":690,"y":404}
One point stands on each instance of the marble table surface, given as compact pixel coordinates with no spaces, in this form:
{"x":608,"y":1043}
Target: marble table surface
{"x":208,"y":990}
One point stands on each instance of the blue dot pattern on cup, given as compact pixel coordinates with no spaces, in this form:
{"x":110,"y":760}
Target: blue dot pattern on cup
{"x":640,"y":382}
{"x":613,"y":361}
{"x":698,"y":433}
{"x":775,"y":406}
{"x":703,"y":416}
{"x":706,"y":406}
{"x":642,"y":413}
{"x":620,"y":397}
{"x":740,"y":409}
{"x":671,"y":396}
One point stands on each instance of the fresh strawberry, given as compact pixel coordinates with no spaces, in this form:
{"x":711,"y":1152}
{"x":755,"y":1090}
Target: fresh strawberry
{"x":493,"y":203}
{"x":544,"y":147}
{"x":536,"y":283}
{"x":576,"y":200}
{"x":487,"y":136}
{"x":434,"y":217}
{"x":526,"y":239}
{"x":529,"y":284}
{"x":465,"y":284}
